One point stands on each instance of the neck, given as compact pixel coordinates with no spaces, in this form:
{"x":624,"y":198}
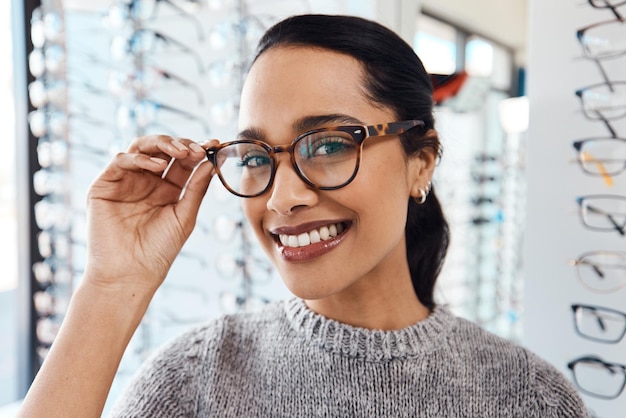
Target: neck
{"x":390,"y":305}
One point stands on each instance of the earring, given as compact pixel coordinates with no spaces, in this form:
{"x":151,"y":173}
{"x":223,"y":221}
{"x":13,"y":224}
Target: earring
{"x":423,"y":194}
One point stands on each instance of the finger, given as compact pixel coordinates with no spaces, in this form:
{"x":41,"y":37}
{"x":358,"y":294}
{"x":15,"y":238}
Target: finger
{"x":124,"y":162}
{"x":189,"y":205}
{"x":164,"y":146}
{"x":180,"y":169}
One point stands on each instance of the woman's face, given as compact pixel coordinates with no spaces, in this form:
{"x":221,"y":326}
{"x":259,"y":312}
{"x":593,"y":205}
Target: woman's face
{"x":285,"y":89}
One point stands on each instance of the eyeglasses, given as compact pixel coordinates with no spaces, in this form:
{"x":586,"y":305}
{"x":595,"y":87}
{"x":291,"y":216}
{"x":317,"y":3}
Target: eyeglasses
{"x":597,"y":377}
{"x":144,"y":113}
{"x":598,"y":323}
{"x":604,"y":101}
{"x":144,"y":40}
{"x":123,"y":11}
{"x":142,"y":82}
{"x":603,"y":40}
{"x":608,"y":4}
{"x":326,"y":158}
{"x":603,"y":212}
{"x":602,"y":271}
{"x":604,"y":157}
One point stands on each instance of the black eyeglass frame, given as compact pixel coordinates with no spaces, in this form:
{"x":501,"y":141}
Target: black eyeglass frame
{"x":598,"y":115}
{"x":621,"y":229}
{"x":578,"y":146}
{"x":576,"y":307}
{"x":607,"y":5}
{"x":359,"y":134}
{"x":607,"y":365}
{"x":580,"y":34}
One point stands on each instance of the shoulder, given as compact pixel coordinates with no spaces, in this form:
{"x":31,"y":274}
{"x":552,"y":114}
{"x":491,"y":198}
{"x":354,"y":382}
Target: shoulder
{"x":232,"y":327}
{"x":172,"y":380}
{"x":546,"y":389}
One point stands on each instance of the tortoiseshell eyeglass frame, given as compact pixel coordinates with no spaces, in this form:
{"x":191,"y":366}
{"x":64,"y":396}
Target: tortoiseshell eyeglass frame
{"x":359,"y":134}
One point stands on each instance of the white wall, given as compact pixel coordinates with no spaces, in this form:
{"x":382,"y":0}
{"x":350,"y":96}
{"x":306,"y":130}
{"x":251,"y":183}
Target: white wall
{"x":555,"y":233}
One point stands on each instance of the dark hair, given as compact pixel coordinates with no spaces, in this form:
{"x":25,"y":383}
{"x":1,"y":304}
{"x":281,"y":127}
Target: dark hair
{"x":395,"y":78}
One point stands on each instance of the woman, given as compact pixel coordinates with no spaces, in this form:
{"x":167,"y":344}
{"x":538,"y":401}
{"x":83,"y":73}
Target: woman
{"x":355,"y":231}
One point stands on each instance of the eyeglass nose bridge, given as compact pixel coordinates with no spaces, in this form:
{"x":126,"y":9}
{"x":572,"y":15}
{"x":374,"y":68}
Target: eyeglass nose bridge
{"x":292,"y":158}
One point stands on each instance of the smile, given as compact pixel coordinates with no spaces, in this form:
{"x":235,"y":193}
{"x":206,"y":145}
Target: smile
{"x":313,"y":236}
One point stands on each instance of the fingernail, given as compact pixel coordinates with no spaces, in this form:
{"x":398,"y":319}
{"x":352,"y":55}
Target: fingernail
{"x":179,"y":145}
{"x":158,"y":160}
{"x":195,"y":147}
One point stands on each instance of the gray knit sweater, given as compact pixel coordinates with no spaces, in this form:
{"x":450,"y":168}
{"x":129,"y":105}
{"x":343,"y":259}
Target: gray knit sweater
{"x":288,"y":361}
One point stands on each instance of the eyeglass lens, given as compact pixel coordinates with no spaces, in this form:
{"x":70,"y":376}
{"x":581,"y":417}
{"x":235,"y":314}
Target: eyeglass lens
{"x":602,"y":156}
{"x":604,"y":40}
{"x":598,"y":378}
{"x":327,"y":159}
{"x":602,"y":271}
{"x":604,"y":101}
{"x":599,"y":324}
{"x":604,"y":213}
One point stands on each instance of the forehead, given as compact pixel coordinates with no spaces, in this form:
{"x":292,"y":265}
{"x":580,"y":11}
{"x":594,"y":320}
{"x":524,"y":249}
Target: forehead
{"x":286,"y":84}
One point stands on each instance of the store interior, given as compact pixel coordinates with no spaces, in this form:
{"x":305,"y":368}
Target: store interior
{"x":530,"y":107}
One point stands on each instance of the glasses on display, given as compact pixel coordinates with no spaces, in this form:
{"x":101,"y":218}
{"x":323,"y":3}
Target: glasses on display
{"x":45,"y":27}
{"x":604,"y":157}
{"x":124,"y":11}
{"x":143,"y":82}
{"x":602,"y":271}
{"x":51,"y":60}
{"x":256,"y":269}
{"x":144,"y":40}
{"x":597,"y":377}
{"x":598,"y":323}
{"x":603,"y":212}
{"x":604,"y":102}
{"x":144,"y":113}
{"x":603,"y":40}
{"x":326,"y":158}
{"x":608,"y":4}
{"x":231,"y":302}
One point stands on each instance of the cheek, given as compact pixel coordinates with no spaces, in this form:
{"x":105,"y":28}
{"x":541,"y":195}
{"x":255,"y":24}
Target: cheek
{"x":254,"y":210}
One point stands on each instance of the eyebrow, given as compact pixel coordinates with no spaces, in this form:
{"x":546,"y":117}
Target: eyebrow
{"x":304,"y":124}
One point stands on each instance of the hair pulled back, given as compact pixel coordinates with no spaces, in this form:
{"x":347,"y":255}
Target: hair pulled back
{"x":395,"y":78}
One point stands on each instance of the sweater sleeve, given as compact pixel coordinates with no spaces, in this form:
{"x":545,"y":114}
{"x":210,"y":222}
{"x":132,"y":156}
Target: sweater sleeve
{"x":556,"y":396}
{"x":168,"y":383}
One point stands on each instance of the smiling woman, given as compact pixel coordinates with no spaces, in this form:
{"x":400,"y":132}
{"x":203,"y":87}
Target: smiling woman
{"x":349,"y":218}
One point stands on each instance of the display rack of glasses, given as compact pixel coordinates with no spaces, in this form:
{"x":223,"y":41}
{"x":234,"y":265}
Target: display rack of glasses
{"x":176,"y":67}
{"x":599,"y":374}
{"x":51,"y":286}
{"x":481,"y":183}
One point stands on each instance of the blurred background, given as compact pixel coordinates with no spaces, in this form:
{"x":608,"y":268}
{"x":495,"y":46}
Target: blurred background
{"x":82,"y":79}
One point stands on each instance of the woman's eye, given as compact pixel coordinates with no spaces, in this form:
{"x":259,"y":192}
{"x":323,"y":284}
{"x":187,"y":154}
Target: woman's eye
{"x":327,"y":146}
{"x":254,"y":161}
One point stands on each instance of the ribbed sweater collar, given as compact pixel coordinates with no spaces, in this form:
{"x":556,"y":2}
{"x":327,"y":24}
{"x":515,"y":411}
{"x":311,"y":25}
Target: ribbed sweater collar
{"x":370,"y":345}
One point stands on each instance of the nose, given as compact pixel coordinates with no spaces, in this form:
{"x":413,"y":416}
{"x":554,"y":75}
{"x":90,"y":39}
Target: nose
{"x":289,"y":192}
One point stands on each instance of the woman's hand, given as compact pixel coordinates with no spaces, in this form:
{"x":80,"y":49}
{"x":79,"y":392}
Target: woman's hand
{"x":138,"y":217}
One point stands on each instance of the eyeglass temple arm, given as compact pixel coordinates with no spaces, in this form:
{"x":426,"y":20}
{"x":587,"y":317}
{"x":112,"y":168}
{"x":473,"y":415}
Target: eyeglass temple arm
{"x":183,"y":113}
{"x":181,"y":46}
{"x":182,"y":82}
{"x":619,"y":228}
{"x":185,"y":13}
{"x":393,"y":128}
{"x":608,"y":5}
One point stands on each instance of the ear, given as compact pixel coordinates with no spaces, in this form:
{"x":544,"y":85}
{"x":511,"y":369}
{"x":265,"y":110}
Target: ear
{"x":421,"y":166}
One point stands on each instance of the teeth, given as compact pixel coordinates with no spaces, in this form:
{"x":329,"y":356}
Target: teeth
{"x":311,"y":237}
